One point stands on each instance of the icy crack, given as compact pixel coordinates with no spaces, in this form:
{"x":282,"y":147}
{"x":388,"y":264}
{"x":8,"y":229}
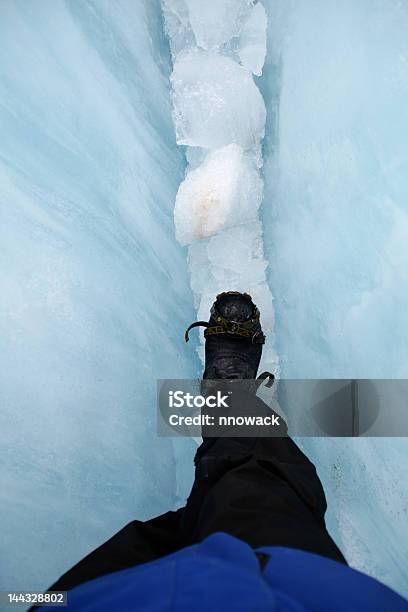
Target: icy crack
{"x":219,"y":114}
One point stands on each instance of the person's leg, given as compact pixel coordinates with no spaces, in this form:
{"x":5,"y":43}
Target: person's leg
{"x":262,"y":490}
{"x":138,"y":542}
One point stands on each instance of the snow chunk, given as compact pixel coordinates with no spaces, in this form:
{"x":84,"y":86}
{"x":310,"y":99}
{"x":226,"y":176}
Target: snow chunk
{"x":216,"y":102}
{"x":235,"y":28}
{"x":252,"y":42}
{"x":224,"y":191}
{"x":215,"y":22}
{"x":237,"y":254}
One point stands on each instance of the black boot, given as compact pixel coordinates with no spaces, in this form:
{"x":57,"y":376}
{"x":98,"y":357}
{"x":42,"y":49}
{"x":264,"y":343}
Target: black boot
{"x":233,"y":338}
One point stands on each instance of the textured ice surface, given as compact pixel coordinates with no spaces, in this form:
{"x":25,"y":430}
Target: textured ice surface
{"x":336,"y":226}
{"x":236,"y":28}
{"x":212,"y":23}
{"x":252,"y":40}
{"x":224,"y":191}
{"x":178,"y":28}
{"x":216,"y":101}
{"x":94,"y":288}
{"x":215,"y":22}
{"x":220,"y":114}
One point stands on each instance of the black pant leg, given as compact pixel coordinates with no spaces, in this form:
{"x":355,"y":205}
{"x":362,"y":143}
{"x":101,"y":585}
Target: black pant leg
{"x":262,"y":490}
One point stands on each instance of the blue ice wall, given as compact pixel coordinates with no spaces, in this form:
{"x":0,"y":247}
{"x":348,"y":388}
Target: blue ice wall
{"x":94,"y":288}
{"x":336,"y":228}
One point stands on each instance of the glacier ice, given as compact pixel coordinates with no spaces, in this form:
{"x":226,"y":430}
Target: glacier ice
{"x":215,"y":22}
{"x":235,"y":28}
{"x":94,"y":288}
{"x":225,"y":190}
{"x":89,"y":171}
{"x":178,"y":27}
{"x":335,"y":226}
{"x":251,"y":47}
{"x":219,"y":114}
{"x":216,"y":101}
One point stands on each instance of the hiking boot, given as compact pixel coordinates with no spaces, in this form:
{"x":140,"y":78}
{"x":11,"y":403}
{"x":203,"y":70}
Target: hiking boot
{"x":233,"y":338}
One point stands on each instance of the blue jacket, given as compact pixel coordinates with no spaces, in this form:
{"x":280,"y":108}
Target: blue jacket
{"x":222,"y":573}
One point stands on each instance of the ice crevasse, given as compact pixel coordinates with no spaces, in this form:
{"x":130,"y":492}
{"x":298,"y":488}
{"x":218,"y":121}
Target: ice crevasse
{"x":219,"y":114}
{"x":96,"y":290}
